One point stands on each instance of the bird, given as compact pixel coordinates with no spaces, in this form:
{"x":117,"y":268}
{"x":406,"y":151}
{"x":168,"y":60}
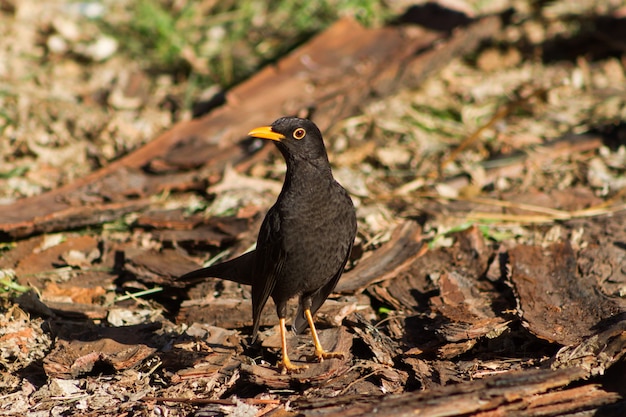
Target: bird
{"x":305,"y":239}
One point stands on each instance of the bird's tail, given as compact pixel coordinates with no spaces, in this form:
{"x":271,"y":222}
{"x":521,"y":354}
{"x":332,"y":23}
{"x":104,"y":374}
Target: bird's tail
{"x":240,"y":270}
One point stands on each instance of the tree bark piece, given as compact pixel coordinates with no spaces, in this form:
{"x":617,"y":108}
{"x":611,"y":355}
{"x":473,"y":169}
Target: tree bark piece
{"x":524,"y":393}
{"x":555,"y":303}
{"x":117,"y":348}
{"x":597,"y":353}
{"x":385,"y":263}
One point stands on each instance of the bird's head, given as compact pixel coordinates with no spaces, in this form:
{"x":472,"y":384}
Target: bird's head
{"x":296,"y":138}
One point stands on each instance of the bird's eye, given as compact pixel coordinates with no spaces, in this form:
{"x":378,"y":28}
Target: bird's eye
{"x":299,"y":133}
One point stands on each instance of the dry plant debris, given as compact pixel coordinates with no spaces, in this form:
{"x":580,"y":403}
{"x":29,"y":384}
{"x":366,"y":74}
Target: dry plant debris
{"x":487,"y":165}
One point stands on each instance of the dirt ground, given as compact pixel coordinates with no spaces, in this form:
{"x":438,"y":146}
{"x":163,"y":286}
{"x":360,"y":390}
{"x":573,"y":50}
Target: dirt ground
{"x":484,"y":148}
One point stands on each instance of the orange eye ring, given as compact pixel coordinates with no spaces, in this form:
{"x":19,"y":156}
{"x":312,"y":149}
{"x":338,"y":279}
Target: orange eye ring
{"x":299,"y":133}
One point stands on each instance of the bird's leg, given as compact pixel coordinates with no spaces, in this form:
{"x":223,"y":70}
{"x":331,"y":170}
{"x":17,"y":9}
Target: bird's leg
{"x":320,"y":353}
{"x":285,"y":364}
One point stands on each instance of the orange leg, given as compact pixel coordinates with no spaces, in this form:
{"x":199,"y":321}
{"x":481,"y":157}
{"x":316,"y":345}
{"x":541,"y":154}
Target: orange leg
{"x":285,"y":364}
{"x":320,"y":353}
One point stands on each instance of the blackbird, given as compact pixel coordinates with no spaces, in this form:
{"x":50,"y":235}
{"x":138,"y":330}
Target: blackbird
{"x":305,"y":239}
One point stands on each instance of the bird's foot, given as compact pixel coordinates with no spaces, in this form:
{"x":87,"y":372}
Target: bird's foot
{"x":287,"y":367}
{"x":321,"y":354}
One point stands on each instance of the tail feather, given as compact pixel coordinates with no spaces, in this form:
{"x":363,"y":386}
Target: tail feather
{"x":240,"y":270}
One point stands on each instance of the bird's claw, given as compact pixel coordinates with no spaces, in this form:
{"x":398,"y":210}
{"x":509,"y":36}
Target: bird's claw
{"x":320,"y":355}
{"x":287,"y":367}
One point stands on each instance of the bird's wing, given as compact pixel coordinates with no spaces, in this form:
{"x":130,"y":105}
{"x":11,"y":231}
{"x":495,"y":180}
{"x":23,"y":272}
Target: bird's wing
{"x":318,"y":297}
{"x":239,"y":269}
{"x":270,"y":260}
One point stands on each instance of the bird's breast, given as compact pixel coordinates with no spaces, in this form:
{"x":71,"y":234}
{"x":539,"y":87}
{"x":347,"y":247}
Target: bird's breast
{"x":318,"y":229}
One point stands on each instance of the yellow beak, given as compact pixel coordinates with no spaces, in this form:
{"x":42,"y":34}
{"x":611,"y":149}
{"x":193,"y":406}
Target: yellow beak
{"x":266,"y":132}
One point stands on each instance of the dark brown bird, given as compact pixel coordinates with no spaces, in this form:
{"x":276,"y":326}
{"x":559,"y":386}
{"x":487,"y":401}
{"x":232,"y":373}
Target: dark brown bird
{"x":304,"y":241}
